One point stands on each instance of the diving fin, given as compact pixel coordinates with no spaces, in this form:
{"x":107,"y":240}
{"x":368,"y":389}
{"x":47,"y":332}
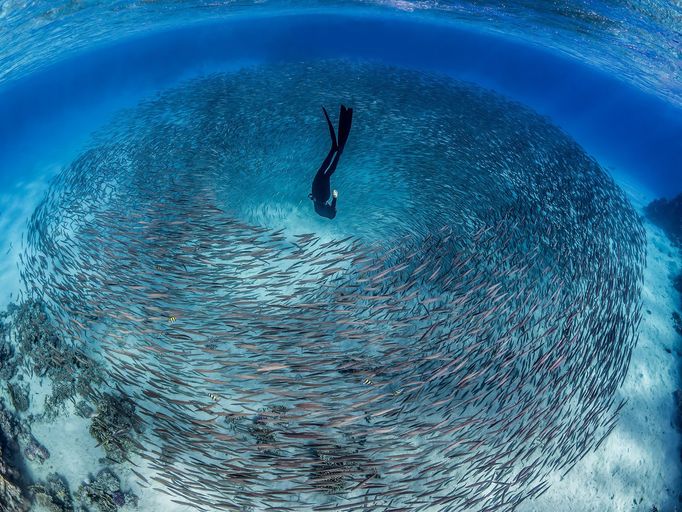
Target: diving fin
{"x":345,"y":121}
{"x":331,"y":130}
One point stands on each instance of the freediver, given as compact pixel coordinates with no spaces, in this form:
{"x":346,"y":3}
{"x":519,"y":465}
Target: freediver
{"x":321,"y":187}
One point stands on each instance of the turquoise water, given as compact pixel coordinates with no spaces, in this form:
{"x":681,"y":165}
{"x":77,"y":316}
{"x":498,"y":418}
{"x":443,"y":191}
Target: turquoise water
{"x":485,"y":325}
{"x":637,"y":41}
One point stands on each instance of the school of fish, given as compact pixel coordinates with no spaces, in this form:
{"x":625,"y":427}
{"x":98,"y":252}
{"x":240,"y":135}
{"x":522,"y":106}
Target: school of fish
{"x":456,"y":335}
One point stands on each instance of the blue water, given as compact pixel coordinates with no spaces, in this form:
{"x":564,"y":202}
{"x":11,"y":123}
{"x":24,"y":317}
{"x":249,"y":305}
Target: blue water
{"x":607,"y":74}
{"x":626,"y":127}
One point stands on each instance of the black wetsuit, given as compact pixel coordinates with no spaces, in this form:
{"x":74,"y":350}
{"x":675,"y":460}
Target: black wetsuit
{"x":321,"y":189}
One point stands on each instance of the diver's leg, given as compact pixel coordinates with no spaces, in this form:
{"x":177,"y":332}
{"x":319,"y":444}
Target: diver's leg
{"x":345,"y":120}
{"x":334,"y":148}
{"x":325,"y":164}
{"x":321,"y":189}
{"x":332,"y":167}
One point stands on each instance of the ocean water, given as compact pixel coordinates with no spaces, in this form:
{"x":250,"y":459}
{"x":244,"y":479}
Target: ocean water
{"x":488,"y":323}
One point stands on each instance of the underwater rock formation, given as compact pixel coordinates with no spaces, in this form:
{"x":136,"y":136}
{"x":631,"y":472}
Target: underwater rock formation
{"x":70,"y":371}
{"x":52,"y":495}
{"x":36,"y":452}
{"x":18,"y":395}
{"x":19,"y":431}
{"x":467,"y":319}
{"x":12,"y":496}
{"x":105,"y":494}
{"x":115,"y":425}
{"x":8,"y":360}
{"x":83,"y":409}
{"x":38,"y":341}
{"x":667,"y":214}
{"x":11,"y":426}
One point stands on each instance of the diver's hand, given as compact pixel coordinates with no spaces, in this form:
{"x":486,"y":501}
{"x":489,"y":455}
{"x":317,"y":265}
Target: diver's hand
{"x":335,"y":194}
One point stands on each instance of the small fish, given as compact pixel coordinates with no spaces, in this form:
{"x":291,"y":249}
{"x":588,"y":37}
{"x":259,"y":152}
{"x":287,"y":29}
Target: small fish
{"x":502,"y":331}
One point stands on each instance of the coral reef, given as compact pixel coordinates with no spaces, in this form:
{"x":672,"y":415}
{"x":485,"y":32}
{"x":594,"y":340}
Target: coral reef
{"x":114,"y":426}
{"x":35,"y":451}
{"x":667,"y":214}
{"x":11,"y":427}
{"x":84,"y":410}
{"x":8,"y":360}
{"x":71,"y":372}
{"x":105,"y":494}
{"x":20,"y":432}
{"x":12,"y":497}
{"x":35,"y":336}
{"x":53,"y":495}
{"x":18,"y":395}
